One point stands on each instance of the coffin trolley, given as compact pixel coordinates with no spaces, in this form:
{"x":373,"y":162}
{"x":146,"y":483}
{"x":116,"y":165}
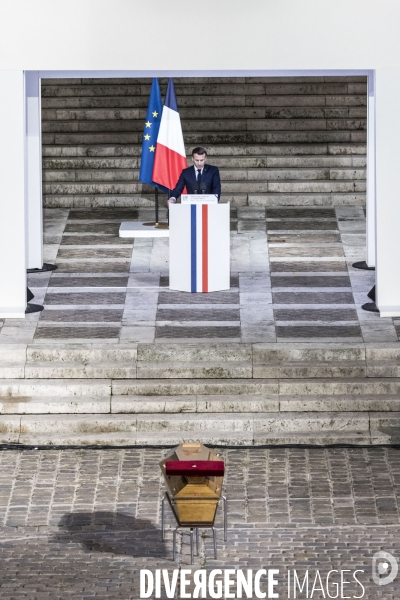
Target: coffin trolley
{"x":194,"y":476}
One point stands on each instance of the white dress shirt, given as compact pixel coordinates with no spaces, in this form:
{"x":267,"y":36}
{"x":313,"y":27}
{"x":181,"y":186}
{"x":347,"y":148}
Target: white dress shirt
{"x":196,"y":170}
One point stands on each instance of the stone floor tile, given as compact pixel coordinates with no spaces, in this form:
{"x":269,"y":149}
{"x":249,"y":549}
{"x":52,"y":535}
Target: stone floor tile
{"x":298,"y":254}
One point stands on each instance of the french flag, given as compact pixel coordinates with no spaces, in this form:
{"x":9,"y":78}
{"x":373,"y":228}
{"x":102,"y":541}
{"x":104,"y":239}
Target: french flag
{"x":170,"y":156}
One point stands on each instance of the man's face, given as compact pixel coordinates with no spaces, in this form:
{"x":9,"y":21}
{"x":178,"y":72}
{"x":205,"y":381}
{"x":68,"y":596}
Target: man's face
{"x":199,"y":160}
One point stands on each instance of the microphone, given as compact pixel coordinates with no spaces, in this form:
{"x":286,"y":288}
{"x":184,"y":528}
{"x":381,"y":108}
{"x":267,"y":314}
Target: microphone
{"x":203,"y":188}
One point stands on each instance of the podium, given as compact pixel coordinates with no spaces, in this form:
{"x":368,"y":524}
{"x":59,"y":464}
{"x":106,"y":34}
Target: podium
{"x":199,"y":245}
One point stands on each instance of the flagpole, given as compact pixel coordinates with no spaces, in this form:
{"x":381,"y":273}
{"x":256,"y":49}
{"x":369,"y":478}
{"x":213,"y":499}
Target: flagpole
{"x":156,"y":199}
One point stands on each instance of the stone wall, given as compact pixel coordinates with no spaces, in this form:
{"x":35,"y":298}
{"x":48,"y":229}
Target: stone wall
{"x":277,"y":141}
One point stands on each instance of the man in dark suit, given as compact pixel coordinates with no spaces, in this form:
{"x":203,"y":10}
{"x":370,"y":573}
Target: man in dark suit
{"x":198,"y":179}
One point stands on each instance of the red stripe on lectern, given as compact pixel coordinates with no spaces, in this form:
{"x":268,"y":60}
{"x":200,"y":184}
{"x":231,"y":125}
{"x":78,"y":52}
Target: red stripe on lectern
{"x":204,"y":240}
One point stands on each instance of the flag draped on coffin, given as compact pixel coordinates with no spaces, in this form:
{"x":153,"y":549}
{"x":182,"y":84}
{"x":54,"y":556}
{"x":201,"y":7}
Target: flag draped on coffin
{"x":170,"y":156}
{"x":150,"y":133}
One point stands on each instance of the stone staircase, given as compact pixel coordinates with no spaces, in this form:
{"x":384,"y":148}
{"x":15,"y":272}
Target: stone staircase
{"x":278,"y":141}
{"x":238,"y":394}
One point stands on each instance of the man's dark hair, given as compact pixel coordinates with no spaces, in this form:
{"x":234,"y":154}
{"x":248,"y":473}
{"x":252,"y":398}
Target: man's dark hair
{"x":199,"y":150}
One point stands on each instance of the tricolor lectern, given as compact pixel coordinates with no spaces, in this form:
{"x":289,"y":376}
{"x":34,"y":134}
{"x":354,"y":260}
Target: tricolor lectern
{"x":199,"y":245}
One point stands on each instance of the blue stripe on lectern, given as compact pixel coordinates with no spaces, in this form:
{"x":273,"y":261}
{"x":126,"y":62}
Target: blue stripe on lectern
{"x":193,"y":243}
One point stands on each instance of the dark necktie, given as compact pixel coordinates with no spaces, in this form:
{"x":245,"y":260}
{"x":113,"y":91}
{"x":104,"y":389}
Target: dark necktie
{"x":198,"y":179}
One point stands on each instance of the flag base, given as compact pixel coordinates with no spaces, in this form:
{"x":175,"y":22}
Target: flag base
{"x":157,"y":225}
{"x":132,"y":229}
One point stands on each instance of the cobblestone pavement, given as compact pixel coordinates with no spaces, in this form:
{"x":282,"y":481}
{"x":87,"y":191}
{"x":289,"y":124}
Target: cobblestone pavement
{"x":82,"y":523}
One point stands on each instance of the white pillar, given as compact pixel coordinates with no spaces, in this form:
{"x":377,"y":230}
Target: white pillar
{"x":371,"y":190}
{"x":12,"y":195}
{"x":34,"y":171}
{"x":388,"y":191}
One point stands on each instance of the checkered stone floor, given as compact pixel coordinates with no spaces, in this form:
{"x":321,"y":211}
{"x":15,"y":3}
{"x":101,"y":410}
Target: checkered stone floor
{"x":82,"y":523}
{"x":291,"y":280}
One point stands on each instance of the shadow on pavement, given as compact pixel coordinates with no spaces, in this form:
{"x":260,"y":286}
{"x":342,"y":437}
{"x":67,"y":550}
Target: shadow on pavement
{"x":115,"y":533}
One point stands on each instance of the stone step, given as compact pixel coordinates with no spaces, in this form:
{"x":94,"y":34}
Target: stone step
{"x":23,"y":388}
{"x":199,"y":361}
{"x":64,"y":107}
{"x":300,"y":200}
{"x":105,"y":200}
{"x":213,"y":438}
{"x":82,"y":353}
{"x":84,"y":164}
{"x":229,"y":176}
{"x":317,"y":184}
{"x":189,"y":387}
{"x":73,"y":370}
{"x":203,"y":404}
{"x":383,"y":368}
{"x":194,"y":361}
{"x":210,"y":137}
{"x":113,"y":87}
{"x":75,"y":116}
{"x":291,"y":428}
{"x":306,"y":370}
{"x":248,"y":438}
{"x":58,"y":106}
{"x":386,"y":422}
{"x":266,"y":352}
{"x":335,"y":386}
{"x":12,"y":370}
{"x":197,"y":370}
{"x":253,"y":403}
{"x":271,"y":422}
{"x":145,"y":81}
{"x":273,"y":152}
{"x":12,"y":361}
{"x":300,"y":360}
{"x":232,"y":352}
{"x":316,"y":352}
{"x":42,"y":405}
{"x":200,"y":404}
{"x":284,"y":370}
{"x":341,"y":403}
{"x":12,"y":353}
{"x":239,"y":199}
{"x":287,"y":387}
{"x":193,"y":124}
{"x":389,"y":351}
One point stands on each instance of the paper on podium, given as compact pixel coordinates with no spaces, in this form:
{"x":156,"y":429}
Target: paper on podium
{"x":199,"y":199}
